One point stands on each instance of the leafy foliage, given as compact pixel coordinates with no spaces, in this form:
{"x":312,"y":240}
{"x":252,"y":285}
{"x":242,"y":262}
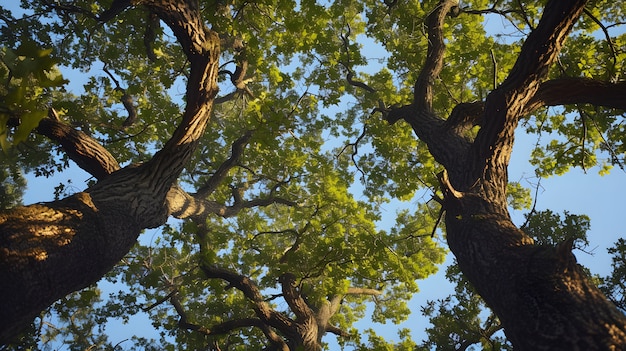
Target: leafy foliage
{"x":613,"y":285}
{"x":307,"y":77}
{"x":28,"y":73}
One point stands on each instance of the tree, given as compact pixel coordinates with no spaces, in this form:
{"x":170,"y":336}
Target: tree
{"x":311,"y":240}
{"x":542,"y":298}
{"x":459,"y":320}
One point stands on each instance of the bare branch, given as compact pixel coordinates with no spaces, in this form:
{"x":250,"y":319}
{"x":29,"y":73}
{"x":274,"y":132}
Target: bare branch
{"x":423,"y":89}
{"x":222,"y":171}
{"x":567,"y":91}
{"x":347,"y":65}
{"x":126,"y":99}
{"x":84,"y":150}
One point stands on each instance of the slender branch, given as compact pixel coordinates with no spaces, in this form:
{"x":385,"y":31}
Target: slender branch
{"x":355,"y":150}
{"x":524,"y":15}
{"x":347,"y":64}
{"x":159,"y":301}
{"x":489,"y":11}
{"x":127,"y":100}
{"x":608,"y":40}
{"x":222,"y":171}
{"x":54,"y":5}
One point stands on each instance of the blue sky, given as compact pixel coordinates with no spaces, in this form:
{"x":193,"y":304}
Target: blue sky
{"x":600,"y":197}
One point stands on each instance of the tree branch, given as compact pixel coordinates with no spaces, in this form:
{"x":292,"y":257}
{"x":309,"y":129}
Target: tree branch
{"x":202,"y":48}
{"x":115,"y":9}
{"x":347,"y":65}
{"x":226,"y":327}
{"x":445,"y":145}
{"x":253,"y":294}
{"x":294,"y":299}
{"x":363,"y":291}
{"x":182,"y":204}
{"x":222,"y":171}
{"x":613,"y":75}
{"x":567,"y":91}
{"x":506,"y":104}
{"x":84,"y":150}
{"x":337,"y":331}
{"x":423,"y":89}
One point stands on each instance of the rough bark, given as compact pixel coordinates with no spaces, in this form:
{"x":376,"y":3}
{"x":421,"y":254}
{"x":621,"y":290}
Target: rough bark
{"x":540,"y":294}
{"x":49,"y":250}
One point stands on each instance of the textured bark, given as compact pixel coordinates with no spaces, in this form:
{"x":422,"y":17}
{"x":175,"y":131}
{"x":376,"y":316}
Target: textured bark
{"x":540,"y":294}
{"x":50,"y":250}
{"x":80,"y":147}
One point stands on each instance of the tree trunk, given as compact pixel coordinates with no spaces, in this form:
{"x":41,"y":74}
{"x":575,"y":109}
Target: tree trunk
{"x":542,"y":297}
{"x":50,"y":250}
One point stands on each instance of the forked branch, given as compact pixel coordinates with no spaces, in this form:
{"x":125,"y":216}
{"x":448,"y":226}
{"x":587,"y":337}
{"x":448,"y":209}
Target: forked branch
{"x":506,"y":105}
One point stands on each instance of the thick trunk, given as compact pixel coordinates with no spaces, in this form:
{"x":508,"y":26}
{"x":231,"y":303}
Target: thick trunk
{"x":50,"y":250}
{"x":542,"y":297}
{"x":308,"y":333}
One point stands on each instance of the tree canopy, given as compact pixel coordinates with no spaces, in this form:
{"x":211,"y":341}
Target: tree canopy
{"x":266,"y":140}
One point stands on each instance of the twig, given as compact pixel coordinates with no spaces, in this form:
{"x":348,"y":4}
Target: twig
{"x":608,"y":40}
{"x":350,"y":75}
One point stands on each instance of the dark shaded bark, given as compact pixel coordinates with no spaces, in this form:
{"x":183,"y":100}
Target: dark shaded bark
{"x":49,"y":250}
{"x":540,"y":294}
